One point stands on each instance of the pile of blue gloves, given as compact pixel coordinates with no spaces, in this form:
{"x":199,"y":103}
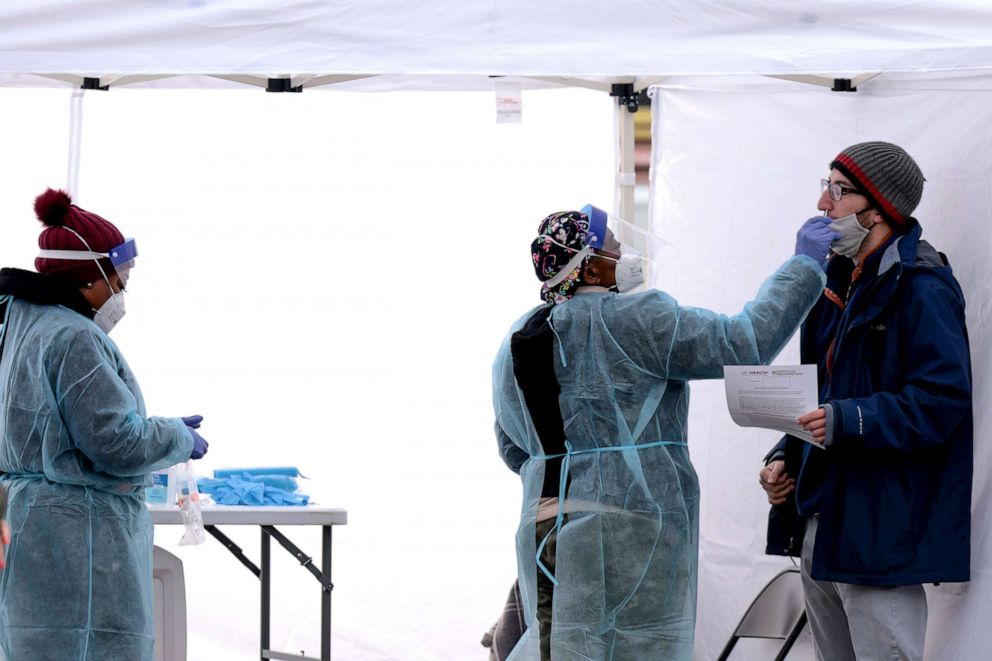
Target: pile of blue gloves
{"x":254,"y":486}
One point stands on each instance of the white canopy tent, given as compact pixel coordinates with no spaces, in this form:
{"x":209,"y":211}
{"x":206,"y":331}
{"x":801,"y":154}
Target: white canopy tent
{"x":309,"y":41}
{"x":744,"y":123}
{"x":390,"y":44}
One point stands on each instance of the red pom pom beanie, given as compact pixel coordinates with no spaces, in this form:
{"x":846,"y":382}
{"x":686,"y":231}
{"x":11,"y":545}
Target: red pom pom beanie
{"x":56,"y":211}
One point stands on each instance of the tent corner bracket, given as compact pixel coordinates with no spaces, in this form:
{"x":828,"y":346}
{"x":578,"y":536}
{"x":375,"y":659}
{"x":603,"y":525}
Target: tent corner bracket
{"x":843,"y":85}
{"x":93,"y":84}
{"x":282,"y":85}
{"x":625,"y":95}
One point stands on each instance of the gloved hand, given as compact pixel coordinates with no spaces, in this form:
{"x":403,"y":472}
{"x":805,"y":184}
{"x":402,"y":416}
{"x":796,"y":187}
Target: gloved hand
{"x":193,"y":421}
{"x":200,"y":444}
{"x":814,"y":238}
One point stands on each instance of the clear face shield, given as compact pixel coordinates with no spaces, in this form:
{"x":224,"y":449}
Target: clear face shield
{"x":120,"y":257}
{"x":631,"y":247}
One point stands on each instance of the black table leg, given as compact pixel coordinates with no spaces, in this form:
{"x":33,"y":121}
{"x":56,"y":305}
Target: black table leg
{"x":325,"y":597}
{"x":266,"y":594}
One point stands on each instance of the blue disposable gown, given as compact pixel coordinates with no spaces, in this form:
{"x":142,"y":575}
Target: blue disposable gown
{"x":626,"y":559}
{"x":76,"y":449}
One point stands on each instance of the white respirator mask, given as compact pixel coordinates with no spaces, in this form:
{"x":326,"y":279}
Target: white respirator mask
{"x":111,"y":312}
{"x":629,"y":272}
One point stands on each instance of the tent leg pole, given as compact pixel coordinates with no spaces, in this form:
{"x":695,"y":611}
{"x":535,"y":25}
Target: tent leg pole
{"x":625,"y":163}
{"x":75,"y":141}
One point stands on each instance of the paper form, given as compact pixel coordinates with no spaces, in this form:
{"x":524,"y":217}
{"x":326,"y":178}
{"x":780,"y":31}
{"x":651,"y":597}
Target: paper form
{"x":772,"y":396}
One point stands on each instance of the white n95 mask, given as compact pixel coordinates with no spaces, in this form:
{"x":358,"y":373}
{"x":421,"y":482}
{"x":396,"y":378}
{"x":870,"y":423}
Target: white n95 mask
{"x":629,"y":272}
{"x":852,"y":235}
{"x":111,"y":312}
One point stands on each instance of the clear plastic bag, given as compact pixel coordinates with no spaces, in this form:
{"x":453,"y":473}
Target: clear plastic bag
{"x":189,"y":505}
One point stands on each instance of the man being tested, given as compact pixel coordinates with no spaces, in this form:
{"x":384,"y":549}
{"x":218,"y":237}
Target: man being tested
{"x":76,"y":448}
{"x":591,"y":396}
{"x":886,"y":506}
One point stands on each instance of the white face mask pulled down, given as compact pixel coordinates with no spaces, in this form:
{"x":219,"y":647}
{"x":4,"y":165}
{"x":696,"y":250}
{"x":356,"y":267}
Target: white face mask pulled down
{"x":852,"y":235}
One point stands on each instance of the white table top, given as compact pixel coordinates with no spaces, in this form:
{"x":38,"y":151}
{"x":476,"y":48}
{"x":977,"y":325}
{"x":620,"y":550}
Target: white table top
{"x":239,"y":515}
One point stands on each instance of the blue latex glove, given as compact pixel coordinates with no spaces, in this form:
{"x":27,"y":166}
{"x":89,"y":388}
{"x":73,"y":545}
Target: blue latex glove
{"x":193,"y":421}
{"x":250,"y":491}
{"x":814,"y":238}
{"x":200,"y":444}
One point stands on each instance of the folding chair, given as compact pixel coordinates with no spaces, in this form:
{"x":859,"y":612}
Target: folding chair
{"x":777,"y":612}
{"x":170,"y":606}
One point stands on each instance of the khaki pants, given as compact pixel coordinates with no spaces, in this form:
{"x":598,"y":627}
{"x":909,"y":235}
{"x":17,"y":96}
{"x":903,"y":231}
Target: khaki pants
{"x":862,"y":622}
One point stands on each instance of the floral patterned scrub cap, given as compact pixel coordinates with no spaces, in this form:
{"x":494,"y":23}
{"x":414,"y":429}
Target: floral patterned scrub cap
{"x":562,"y":243}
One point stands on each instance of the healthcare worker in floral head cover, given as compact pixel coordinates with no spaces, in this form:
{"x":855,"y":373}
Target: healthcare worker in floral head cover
{"x":76,"y":449}
{"x":591,"y":394}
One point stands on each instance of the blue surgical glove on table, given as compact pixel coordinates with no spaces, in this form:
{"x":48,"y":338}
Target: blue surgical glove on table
{"x":814,"y":238}
{"x":257,"y":490}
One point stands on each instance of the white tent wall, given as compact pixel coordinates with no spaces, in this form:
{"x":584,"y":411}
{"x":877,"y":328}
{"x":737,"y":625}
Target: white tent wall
{"x":326,"y":277}
{"x":735,"y":171}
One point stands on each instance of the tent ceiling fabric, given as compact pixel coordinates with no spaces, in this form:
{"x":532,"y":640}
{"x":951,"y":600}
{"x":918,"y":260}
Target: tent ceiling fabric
{"x":465,"y":42}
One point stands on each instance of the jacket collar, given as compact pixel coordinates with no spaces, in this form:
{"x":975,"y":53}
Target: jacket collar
{"x":906,"y":253}
{"x":43,"y":289}
{"x":904,"y":249}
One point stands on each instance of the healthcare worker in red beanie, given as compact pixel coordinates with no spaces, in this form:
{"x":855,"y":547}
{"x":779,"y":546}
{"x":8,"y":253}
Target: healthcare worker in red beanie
{"x":76,"y":450}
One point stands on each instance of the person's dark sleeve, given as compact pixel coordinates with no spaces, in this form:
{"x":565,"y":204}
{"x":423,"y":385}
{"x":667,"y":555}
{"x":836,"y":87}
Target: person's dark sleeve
{"x":512,"y":454}
{"x":777,"y":452}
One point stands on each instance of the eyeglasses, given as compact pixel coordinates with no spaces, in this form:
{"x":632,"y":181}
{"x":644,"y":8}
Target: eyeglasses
{"x":836,"y":190}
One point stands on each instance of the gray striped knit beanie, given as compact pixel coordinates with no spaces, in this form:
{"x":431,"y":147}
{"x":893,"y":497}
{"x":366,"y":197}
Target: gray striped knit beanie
{"x":886,"y":175}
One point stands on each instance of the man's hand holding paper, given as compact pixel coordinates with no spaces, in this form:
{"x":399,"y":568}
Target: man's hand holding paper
{"x":780,"y":397}
{"x":815,"y":422}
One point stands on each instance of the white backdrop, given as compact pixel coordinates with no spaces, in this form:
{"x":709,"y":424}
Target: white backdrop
{"x":736,"y":165}
{"x":326,"y":277}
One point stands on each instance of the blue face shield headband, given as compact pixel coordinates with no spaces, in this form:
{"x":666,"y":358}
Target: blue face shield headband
{"x":124,"y":253}
{"x":597,"y":226}
{"x":121,"y":257}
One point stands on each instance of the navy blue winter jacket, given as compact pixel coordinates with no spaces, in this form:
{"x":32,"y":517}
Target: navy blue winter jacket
{"x":894,"y":487}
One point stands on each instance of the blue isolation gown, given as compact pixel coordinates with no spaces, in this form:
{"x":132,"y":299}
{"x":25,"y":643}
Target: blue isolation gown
{"x":76,"y":449}
{"x":626,"y":559}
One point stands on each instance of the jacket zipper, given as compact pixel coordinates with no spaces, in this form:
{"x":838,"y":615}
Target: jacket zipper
{"x":851,"y":310}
